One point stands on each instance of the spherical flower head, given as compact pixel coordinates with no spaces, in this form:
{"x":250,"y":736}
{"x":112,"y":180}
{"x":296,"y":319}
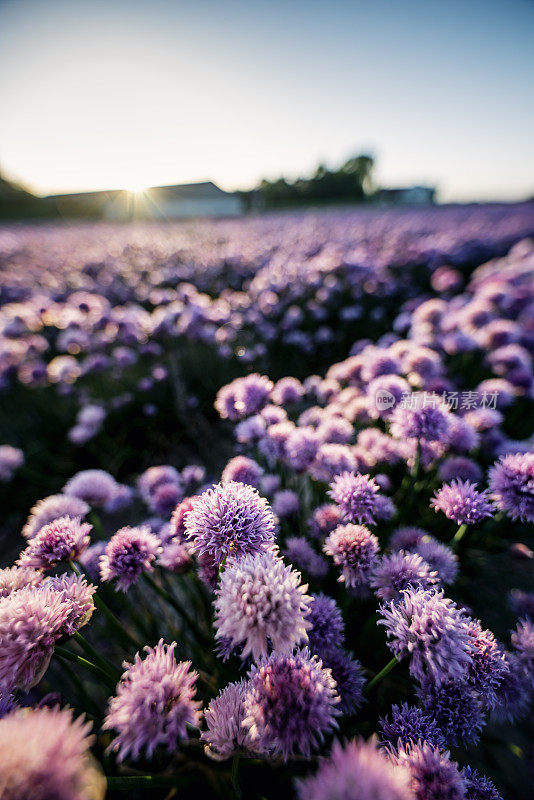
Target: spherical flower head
{"x":11,"y":459}
{"x":192,"y":477}
{"x":51,"y":508}
{"x":523,"y":644}
{"x":286,"y":503}
{"x":434,"y":775}
{"x":488,"y":665}
{"x":514,"y":694}
{"x":327,"y":629}
{"x":355,"y":549}
{"x":406,"y":538}
{"x":428,"y":422}
{"x":291,"y":704}
{"x":243,"y":396}
{"x":176,"y":556}
{"x":260,"y":602}
{"x":332,"y":459}
{"x":45,"y":754}
{"x":460,"y":467}
{"x":224,"y":717}
{"x":462,"y":502}
{"x":31,"y":621}
{"x":431,"y":631}
{"x":177,"y":523}
{"x":78,"y":594}
{"x":286,"y":391}
{"x":511,"y":482}
{"x":410,"y":724}
{"x":478,"y":787}
{"x":230,"y":521}
{"x":357,"y":770}
{"x":456,"y":707}
{"x":14,"y":578}
{"x":242,"y":470}
{"x":164,"y":498}
{"x":94,"y":486}
{"x":348,"y":675}
{"x":153,"y":703}
{"x":440,"y":558}
{"x":301,"y":447}
{"x":128,"y":553}
{"x":356,"y":497}
{"x":299,"y":551}
{"x":65,"y":539}
{"x":153,"y":477}
{"x":324,"y":520}
{"x":399,"y":571}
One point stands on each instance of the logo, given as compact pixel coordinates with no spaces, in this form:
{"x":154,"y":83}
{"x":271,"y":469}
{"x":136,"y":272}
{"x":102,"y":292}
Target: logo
{"x":384,"y":400}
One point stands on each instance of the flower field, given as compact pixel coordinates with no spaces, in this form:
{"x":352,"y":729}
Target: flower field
{"x":268,"y":491}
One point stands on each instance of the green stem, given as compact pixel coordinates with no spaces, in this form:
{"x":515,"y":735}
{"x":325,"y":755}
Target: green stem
{"x":95,"y":656}
{"x":458,"y":536}
{"x":382,"y":674}
{"x":97,"y":525}
{"x":235,"y":776}
{"x":172,"y":601}
{"x":126,"y":637}
{"x":62,"y":652}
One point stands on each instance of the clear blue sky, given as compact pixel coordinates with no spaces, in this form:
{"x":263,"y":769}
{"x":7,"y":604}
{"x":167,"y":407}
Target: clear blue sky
{"x":110,"y":94}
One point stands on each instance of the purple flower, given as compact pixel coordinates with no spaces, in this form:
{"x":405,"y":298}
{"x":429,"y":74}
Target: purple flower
{"x":243,"y":397}
{"x":431,"y":631}
{"x":94,"y":486}
{"x":355,"y":549}
{"x":177,"y":523}
{"x":31,"y":621}
{"x":153,"y":477}
{"x":434,"y":775}
{"x":410,"y":724}
{"x":164,"y":498}
{"x":348,"y":675}
{"x":324,"y":519}
{"x":45,"y":754}
{"x":51,"y":508}
{"x":287,"y":391}
{"x":456,"y":708}
{"x":175,"y":556}
{"x":7,"y":705}
{"x":327,"y":629}
{"x":400,"y":571}
{"x":488,"y":665}
{"x":356,"y":497}
{"x":242,"y":470}
{"x":440,"y":558}
{"x":90,"y":560}
{"x":514,"y":694}
{"x":477,"y":786}
{"x":301,"y":447}
{"x":78,"y":595}
{"x":153,"y":704}
{"x":461,"y":502}
{"x":286,"y":503}
{"x":511,"y":482}
{"x":431,"y":423}
{"x":224,"y":719}
{"x":260,"y":602}
{"x":299,"y":551}
{"x":11,"y":459}
{"x":460,"y":467}
{"x":406,"y":538}
{"x":291,"y":704}
{"x":65,"y":539}
{"x":331,"y":460}
{"x":357,"y":771}
{"x":14,"y":578}
{"x":128,"y":553}
{"x":230,"y":521}
{"x":523,"y":644}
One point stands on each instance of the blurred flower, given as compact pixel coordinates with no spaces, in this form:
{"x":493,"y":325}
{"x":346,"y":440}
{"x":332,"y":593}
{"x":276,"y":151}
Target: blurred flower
{"x":14,"y":578}
{"x":51,"y":508}
{"x":224,"y":719}
{"x":355,"y":549}
{"x":153,"y":703}
{"x":434,"y":775}
{"x":94,"y":486}
{"x":242,"y":470}
{"x":260,"y":602}
{"x":64,"y":539}
{"x":511,"y":482}
{"x":399,"y":571}
{"x":128,"y":553}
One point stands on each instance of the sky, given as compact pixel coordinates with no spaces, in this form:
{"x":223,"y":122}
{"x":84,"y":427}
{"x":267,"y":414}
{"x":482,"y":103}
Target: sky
{"x":134,"y":94}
